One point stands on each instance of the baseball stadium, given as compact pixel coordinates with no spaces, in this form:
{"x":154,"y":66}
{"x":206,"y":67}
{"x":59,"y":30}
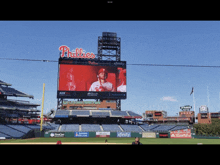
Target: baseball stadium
{"x":80,"y":121}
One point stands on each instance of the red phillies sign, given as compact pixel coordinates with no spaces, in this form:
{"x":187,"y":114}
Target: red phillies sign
{"x":79,"y":53}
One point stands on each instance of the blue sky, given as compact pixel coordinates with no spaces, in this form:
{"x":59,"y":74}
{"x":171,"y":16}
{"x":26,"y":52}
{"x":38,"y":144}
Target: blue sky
{"x":142,"y":42}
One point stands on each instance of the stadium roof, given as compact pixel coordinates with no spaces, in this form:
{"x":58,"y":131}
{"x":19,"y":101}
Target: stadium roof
{"x":8,"y":91}
{"x":4,"y":83}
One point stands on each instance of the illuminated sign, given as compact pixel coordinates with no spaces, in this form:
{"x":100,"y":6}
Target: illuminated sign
{"x":79,"y":53}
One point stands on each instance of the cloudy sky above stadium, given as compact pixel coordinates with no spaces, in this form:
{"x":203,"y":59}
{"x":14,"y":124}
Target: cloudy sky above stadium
{"x":142,"y":42}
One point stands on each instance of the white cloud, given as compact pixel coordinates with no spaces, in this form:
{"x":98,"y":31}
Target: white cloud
{"x":168,"y":98}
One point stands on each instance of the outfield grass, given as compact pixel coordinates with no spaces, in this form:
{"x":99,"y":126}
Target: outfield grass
{"x":115,"y":140}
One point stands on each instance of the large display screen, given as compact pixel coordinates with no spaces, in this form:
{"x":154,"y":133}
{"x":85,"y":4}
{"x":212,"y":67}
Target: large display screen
{"x":83,"y":78}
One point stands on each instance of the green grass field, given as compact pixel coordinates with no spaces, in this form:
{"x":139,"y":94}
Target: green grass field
{"x":113,"y":140}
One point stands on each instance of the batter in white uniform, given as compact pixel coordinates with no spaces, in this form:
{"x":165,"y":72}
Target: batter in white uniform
{"x":102,"y":85}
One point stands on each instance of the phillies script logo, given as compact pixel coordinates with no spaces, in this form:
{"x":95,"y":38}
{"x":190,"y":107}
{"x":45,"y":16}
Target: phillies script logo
{"x":79,"y":53}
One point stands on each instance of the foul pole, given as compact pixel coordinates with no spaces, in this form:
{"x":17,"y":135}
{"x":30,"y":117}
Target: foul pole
{"x":194,"y":106}
{"x":42,"y":109}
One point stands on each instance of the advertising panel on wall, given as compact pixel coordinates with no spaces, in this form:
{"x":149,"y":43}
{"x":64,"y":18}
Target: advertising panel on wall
{"x":102,"y":134}
{"x":123,"y":134}
{"x":56,"y":134}
{"x":148,"y":135}
{"x":184,"y":133}
{"x":91,"y":79}
{"x":163,"y":135}
{"x":81,"y":134}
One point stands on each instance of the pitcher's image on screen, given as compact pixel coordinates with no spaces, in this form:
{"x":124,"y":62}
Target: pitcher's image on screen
{"x":102,"y":85}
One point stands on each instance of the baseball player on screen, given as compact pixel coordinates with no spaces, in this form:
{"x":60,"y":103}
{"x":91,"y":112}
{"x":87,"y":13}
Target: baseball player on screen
{"x":102,"y":85}
{"x":71,"y":85}
{"x":122,"y":78}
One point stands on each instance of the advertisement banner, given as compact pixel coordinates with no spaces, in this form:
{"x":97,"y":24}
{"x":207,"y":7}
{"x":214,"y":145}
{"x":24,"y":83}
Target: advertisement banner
{"x":102,"y":134}
{"x":123,"y":134}
{"x":81,"y":134}
{"x":57,"y":134}
{"x":163,"y":135}
{"x":148,"y":135}
{"x":184,"y":133}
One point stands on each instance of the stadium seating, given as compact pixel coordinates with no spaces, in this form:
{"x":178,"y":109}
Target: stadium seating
{"x":33,"y":126}
{"x":100,"y":114}
{"x":145,"y":127}
{"x":11,"y":115}
{"x":55,"y":127}
{"x":131,"y":128}
{"x":13,"y":105}
{"x":111,"y":127}
{"x":133,"y":114}
{"x":179,"y":127}
{"x":20,"y":128}
{"x":4,"y":83}
{"x":162,"y":128}
{"x":3,"y":135}
{"x":11,"y":132}
{"x":62,"y":114}
{"x":119,"y":113}
{"x":13,"y":92}
{"x":78,"y":113}
{"x":90,"y":127}
{"x":70,"y":127}
{"x":151,"y":127}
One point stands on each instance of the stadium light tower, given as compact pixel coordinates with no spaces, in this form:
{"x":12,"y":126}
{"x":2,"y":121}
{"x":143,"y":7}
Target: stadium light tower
{"x":109,"y":48}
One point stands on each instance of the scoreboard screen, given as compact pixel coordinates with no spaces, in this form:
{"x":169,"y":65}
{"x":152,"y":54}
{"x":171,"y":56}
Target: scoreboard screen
{"x":91,"y":79}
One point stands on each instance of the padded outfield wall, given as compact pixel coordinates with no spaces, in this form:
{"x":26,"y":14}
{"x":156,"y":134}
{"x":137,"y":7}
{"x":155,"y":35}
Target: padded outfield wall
{"x":184,"y":133}
{"x":93,"y":134}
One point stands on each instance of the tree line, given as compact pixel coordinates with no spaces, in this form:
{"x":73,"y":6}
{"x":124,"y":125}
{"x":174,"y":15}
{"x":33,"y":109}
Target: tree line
{"x":212,"y":129}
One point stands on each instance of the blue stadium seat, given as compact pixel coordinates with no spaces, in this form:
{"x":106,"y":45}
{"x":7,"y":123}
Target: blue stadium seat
{"x":5,"y":136}
{"x":179,"y":127}
{"x":11,"y":132}
{"x":62,"y":114}
{"x":20,"y":128}
{"x":55,"y":127}
{"x":111,"y":127}
{"x":131,"y":128}
{"x":13,"y":92}
{"x":119,"y":113}
{"x":33,"y":126}
{"x":151,"y":127}
{"x":90,"y":127}
{"x":145,"y":127}
{"x":164,"y":128}
{"x":100,"y":114}
{"x":81,"y":112}
{"x":70,"y":127}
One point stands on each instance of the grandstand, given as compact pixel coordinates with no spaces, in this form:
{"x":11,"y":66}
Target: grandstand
{"x":17,"y":117}
{"x":13,"y":110}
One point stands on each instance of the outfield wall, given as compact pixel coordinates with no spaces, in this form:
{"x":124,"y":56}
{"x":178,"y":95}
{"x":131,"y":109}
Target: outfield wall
{"x":100,"y":134}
